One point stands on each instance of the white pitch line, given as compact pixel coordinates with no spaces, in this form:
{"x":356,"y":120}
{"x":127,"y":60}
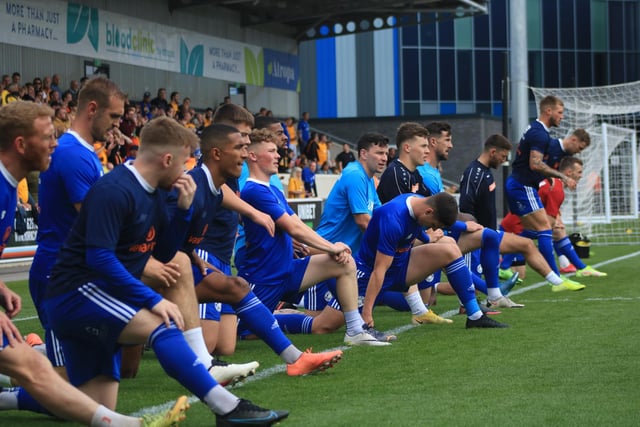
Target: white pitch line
{"x":266,"y":373}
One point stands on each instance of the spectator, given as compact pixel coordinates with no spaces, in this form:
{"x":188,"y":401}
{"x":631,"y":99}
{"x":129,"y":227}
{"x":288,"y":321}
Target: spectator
{"x":145,"y":105}
{"x":323,"y":148}
{"x":55,"y":84}
{"x":296,"y":186}
{"x":326,"y":169}
{"x":293,"y":135}
{"x":312,"y":147}
{"x":393,"y":153}
{"x":344,"y":158}
{"x":74,"y":88}
{"x":6,"y":80}
{"x":160,"y":101}
{"x":208,"y":117}
{"x":30,"y":94}
{"x":304,"y":132}
{"x":174,"y":101}
{"x":11,"y":94}
{"x":128,"y":121}
{"x":309,"y":179}
{"x":61,"y":122}
{"x":15,"y":78}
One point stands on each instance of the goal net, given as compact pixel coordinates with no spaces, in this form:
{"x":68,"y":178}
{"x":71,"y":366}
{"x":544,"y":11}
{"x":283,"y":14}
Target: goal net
{"x":604,"y":206}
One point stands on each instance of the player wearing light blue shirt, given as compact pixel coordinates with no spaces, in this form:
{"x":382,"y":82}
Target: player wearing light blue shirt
{"x":345,"y":216}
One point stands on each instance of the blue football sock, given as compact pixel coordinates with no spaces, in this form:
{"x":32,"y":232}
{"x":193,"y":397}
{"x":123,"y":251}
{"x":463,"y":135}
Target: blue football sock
{"x":27,"y":403}
{"x":295,"y":323}
{"x":545,"y":246}
{"x":261,"y":322}
{"x":507,"y":260}
{"x":394,"y":300}
{"x":480,"y":284}
{"x":490,"y":256}
{"x":460,"y":279}
{"x":529,"y":234}
{"x":564,"y":247}
{"x":179,"y":361}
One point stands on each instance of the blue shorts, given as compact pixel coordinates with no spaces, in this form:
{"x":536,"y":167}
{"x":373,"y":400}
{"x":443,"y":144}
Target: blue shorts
{"x":522,"y":199}
{"x":395,"y":278}
{"x":211,"y":311}
{"x":288,"y":289}
{"x":38,"y":280}
{"x":317,"y":297}
{"x":88,"y":323}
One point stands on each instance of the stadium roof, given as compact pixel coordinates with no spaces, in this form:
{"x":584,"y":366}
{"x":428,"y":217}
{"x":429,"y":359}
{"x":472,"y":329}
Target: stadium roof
{"x":311,"y":19}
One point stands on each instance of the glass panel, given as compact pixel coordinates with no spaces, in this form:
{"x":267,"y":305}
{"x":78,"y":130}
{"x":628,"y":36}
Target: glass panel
{"x":599,"y":25}
{"x":410,"y":74}
{"x":567,"y":33}
{"x":498,"y":74}
{"x":584,"y":69}
{"x":481,"y":30}
{"x":428,"y":34}
{"x":498,"y":17}
{"x":568,"y":69}
{"x":447,"y":79}
{"x":429,"y":74}
{"x":483,"y":76}
{"x":583,"y":29}
{"x":534,"y":35}
{"x":551,"y":69}
{"x":465,"y":71}
{"x":550,"y":23}
{"x":617,"y":68}
{"x":600,"y":69}
{"x":535,"y":69}
{"x":445,"y":33}
{"x":463,"y":30}
{"x":615,"y":20}
{"x":410,"y":36}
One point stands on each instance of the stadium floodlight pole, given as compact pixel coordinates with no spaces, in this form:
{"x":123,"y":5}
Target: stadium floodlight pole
{"x":505,"y":128}
{"x":519,"y":67}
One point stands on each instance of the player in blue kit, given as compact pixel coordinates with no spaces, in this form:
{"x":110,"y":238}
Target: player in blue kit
{"x":345,"y":216}
{"x":223,"y":152}
{"x":390,"y":260}
{"x":74,"y":168}
{"x":528,"y":170}
{"x":269,"y":265}
{"x":95,"y":300}
{"x":26,"y":143}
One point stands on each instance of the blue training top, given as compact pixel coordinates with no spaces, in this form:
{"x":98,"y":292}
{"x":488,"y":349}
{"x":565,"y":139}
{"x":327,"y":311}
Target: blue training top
{"x":353,"y":193}
{"x":535,"y":138}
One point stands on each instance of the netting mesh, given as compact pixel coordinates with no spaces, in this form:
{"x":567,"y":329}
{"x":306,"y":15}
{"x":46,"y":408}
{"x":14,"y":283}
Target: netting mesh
{"x":604,"y":207}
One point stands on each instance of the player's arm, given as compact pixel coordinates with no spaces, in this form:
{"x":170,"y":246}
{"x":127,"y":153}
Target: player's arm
{"x":231,"y":201}
{"x":537,"y":164}
{"x":380,"y":267}
{"x":172,"y":238}
{"x":468,"y":193}
{"x":362,"y":220}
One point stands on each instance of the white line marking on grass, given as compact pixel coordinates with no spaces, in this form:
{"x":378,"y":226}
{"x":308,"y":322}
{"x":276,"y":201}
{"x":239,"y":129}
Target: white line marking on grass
{"x":266,"y":373}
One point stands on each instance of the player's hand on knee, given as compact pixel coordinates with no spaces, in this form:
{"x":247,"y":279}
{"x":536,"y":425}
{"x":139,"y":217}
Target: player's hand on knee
{"x":9,"y":330}
{"x":168,"y":311}
{"x":435,"y":235}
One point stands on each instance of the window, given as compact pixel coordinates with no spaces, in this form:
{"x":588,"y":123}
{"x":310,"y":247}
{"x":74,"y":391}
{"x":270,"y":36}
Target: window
{"x":410,"y":74}
{"x":445,"y":33}
{"x":615,"y":26}
{"x":567,"y":32}
{"x":429,"y":74}
{"x":498,"y":17}
{"x":550,"y":24}
{"x":583,"y":27}
{"x":428,"y":36}
{"x":551,"y":69}
{"x":410,"y":36}
{"x":465,"y":75}
{"x":481,"y":31}
{"x":483,"y":76}
{"x":584,"y":69}
{"x":568,"y":69}
{"x":447,"y":78}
